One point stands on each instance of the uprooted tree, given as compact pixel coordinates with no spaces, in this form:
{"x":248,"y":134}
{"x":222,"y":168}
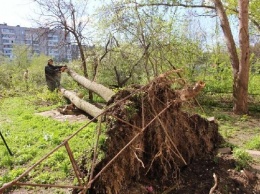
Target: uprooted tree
{"x":99,"y":89}
{"x":150,"y":138}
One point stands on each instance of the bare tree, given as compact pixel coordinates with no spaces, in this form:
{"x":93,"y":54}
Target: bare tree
{"x":68,"y":15}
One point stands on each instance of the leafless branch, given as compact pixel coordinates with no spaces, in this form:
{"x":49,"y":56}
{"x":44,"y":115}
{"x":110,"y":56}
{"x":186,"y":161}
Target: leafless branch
{"x":175,"y":5}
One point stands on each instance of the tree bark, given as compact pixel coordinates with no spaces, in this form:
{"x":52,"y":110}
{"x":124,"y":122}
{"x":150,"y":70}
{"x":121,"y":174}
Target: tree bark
{"x":81,"y":104}
{"x":99,"y":89}
{"x":240,"y":66}
{"x":224,"y":23}
{"x":242,"y":78}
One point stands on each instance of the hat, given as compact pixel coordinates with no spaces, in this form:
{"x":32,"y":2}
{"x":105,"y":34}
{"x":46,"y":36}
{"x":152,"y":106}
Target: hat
{"x":50,"y":60}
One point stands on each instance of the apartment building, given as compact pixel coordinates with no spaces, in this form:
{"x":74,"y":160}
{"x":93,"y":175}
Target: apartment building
{"x":53,"y":43}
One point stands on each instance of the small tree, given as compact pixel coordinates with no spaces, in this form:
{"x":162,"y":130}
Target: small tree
{"x":146,"y":44}
{"x":21,"y":55}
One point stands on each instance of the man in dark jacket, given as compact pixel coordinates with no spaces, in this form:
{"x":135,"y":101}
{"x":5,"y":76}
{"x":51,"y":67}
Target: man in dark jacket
{"x":53,"y":75}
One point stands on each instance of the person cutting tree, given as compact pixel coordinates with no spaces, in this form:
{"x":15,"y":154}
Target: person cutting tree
{"x":53,"y":75}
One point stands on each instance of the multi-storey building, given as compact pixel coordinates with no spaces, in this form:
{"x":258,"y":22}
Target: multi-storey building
{"x":53,"y":43}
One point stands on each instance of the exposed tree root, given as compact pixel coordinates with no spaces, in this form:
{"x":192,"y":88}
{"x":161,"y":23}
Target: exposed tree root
{"x":163,"y":139}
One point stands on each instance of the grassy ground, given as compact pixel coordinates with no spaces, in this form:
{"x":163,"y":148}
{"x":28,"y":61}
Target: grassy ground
{"x":241,"y":132}
{"x":30,"y":136}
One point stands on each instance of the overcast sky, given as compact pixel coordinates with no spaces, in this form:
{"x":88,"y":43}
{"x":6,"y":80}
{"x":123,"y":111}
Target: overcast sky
{"x":20,"y":12}
{"x":16,"y":12}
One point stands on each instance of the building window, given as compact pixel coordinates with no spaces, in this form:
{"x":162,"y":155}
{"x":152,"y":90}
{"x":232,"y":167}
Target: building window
{"x":28,"y":42}
{"x":6,"y":41}
{"x":6,"y":30}
{"x":8,"y":51}
{"x":53,"y":38}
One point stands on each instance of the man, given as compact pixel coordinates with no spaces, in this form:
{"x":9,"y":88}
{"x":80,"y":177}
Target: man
{"x":53,"y":75}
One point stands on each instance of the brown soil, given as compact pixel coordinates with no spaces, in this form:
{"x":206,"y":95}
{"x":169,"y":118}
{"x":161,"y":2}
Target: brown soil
{"x":176,"y":153}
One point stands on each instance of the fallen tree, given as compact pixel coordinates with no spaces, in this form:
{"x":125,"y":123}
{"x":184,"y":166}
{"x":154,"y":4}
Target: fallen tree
{"x":81,"y":104}
{"x":154,"y":146}
{"x":107,"y":93}
{"x":97,"y":88}
{"x":150,"y":139}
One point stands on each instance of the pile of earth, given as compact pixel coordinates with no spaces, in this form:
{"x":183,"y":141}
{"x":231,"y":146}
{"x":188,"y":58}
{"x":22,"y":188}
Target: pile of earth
{"x":153,"y":146}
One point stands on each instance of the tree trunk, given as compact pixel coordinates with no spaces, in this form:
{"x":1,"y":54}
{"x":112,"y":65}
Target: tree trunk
{"x":83,"y":60}
{"x":242,"y":77}
{"x":81,"y":104}
{"x":99,"y":89}
{"x":224,"y":23}
{"x":240,"y":68}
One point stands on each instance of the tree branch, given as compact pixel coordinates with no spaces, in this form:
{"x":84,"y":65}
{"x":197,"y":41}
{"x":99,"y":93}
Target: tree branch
{"x":175,"y":5}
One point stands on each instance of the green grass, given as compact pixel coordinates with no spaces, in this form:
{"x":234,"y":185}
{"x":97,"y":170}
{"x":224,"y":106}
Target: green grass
{"x":30,"y":137}
{"x":227,"y":130}
{"x":254,"y":143}
{"x":243,"y":159}
{"x":241,"y":132}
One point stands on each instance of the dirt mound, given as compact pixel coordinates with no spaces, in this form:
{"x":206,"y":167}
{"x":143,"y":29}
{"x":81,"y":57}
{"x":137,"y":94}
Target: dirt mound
{"x":152,"y":141}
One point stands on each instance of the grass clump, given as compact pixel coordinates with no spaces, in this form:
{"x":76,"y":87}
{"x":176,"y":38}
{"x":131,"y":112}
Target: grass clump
{"x":243,"y":159}
{"x":254,"y":143}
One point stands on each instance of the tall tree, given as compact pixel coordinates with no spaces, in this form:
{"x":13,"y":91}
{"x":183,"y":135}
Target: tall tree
{"x":241,"y":80}
{"x":240,"y":65}
{"x":21,"y":53}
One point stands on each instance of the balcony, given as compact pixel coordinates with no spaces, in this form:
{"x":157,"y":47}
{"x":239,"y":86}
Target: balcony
{"x":8,"y":42}
{"x":52,"y":43}
{"x":7,"y":31}
{"x":8,"y":46}
{"x":7,"y":49}
{"x":8,"y":36}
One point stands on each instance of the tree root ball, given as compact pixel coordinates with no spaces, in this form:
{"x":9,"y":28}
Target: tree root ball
{"x":164,"y":139}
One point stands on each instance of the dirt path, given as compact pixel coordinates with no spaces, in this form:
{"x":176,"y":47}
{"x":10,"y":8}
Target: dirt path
{"x":56,"y":115}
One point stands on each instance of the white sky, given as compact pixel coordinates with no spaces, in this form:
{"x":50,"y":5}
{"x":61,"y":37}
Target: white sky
{"x":16,"y":12}
{"x":20,"y":12}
